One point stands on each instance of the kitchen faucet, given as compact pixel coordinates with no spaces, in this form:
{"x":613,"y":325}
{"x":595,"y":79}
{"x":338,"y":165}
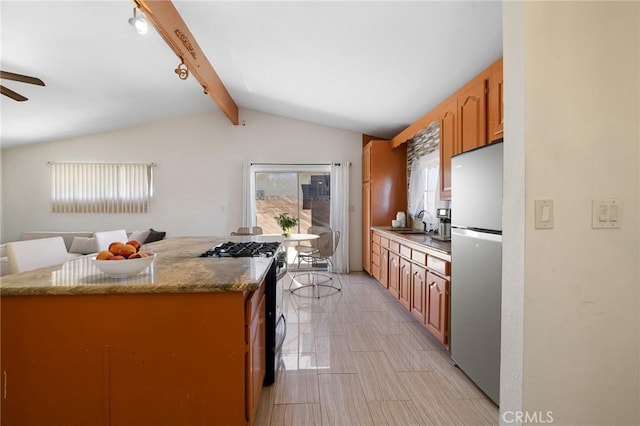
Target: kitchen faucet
{"x":420,"y":215}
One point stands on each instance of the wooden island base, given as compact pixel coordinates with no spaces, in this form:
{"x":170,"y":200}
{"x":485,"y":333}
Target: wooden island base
{"x":132,"y":359}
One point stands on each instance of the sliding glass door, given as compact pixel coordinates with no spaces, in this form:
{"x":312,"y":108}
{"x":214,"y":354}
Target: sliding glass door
{"x":317,"y":194}
{"x":301,"y":193}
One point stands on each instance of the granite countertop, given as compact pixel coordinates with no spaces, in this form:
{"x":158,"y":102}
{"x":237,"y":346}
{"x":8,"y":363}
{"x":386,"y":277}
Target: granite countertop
{"x":425,"y":240}
{"x":177,"y":269}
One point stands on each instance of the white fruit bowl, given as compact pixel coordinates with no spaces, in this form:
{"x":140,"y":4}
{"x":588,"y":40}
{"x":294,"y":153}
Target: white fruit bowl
{"x":124,"y":268}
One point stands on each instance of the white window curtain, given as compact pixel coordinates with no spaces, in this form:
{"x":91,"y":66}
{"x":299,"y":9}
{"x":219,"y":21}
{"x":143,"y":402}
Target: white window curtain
{"x":340,"y":214}
{"x":423,"y":187}
{"x":101,"y":187}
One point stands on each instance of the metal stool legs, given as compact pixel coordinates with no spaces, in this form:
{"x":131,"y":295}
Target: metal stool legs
{"x":315,"y":280}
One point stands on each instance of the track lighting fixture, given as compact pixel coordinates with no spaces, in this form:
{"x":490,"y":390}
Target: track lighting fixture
{"x":182,"y":71}
{"x":139,"y":22}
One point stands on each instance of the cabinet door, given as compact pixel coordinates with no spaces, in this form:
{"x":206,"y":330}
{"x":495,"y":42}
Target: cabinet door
{"x":496,"y":103}
{"x":384,"y":267}
{"x":437,"y":317}
{"x":366,"y":226}
{"x":405,"y":283}
{"x":394,"y":274}
{"x":448,"y":145}
{"x":418,"y":292}
{"x":256,"y":360}
{"x":472,"y":115}
{"x":366,"y":162}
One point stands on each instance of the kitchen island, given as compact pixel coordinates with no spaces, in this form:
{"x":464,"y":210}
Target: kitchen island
{"x":181,"y":343}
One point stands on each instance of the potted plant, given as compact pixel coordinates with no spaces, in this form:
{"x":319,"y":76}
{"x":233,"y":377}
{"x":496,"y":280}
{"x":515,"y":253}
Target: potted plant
{"x":286,"y":222}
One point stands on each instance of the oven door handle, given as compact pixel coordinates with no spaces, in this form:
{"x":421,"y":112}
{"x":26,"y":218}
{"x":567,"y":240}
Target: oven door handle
{"x":283,"y":271}
{"x":284,"y":335}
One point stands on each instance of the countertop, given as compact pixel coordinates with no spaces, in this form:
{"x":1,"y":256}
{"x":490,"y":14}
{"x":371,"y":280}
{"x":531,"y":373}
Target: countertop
{"x":177,"y":269}
{"x":425,"y":240}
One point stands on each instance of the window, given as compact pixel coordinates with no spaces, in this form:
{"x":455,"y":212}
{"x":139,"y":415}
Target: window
{"x":423,"y":188}
{"x":101,"y":187}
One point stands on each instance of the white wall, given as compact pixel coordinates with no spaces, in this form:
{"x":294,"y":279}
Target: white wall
{"x":198,"y":180}
{"x":576,"y":119}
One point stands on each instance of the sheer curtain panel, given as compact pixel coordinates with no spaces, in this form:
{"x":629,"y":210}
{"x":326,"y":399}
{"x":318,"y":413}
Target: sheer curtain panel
{"x":101,"y":187}
{"x":340,"y":214}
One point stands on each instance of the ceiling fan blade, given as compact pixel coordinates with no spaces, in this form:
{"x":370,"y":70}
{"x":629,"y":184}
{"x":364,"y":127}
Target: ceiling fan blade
{"x":13,"y":95}
{"x":20,"y":77}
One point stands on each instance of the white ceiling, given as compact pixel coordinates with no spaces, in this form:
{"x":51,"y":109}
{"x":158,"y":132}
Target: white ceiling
{"x":368,"y":67}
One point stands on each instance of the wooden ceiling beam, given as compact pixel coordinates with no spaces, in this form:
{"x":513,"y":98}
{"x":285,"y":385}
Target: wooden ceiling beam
{"x":164,"y":16}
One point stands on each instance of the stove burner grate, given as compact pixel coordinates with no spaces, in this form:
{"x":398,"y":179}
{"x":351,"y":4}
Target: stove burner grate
{"x":246,"y":249}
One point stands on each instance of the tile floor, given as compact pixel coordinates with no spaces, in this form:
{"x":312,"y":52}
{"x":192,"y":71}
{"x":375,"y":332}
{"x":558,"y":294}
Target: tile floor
{"x":356,"y":357}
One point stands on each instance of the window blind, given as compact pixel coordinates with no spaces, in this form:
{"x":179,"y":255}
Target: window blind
{"x":101,"y":187}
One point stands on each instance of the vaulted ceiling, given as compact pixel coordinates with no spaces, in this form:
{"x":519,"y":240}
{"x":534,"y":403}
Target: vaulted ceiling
{"x":368,"y":67}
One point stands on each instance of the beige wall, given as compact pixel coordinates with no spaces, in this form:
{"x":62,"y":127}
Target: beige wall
{"x":198,"y":180}
{"x":576,"y":119}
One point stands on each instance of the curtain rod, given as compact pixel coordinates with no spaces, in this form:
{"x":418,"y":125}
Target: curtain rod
{"x":290,"y":164}
{"x":82,"y":162}
{"x":294,"y":164}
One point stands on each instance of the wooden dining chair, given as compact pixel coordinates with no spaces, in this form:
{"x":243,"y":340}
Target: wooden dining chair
{"x":33,"y":254}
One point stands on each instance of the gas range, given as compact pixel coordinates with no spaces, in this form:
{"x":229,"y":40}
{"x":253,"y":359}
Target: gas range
{"x":243,"y":249}
{"x":275,"y":322}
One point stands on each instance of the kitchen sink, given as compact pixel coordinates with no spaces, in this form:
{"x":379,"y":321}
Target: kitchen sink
{"x":410,"y":232}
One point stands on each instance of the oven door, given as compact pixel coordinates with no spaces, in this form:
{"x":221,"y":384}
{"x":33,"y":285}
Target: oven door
{"x":281,"y":322}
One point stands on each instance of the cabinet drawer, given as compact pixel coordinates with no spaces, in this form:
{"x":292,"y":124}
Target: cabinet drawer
{"x":375,"y":272}
{"x":405,"y":251}
{"x":375,"y":248}
{"x":394,"y":246}
{"x":384,"y":242}
{"x":375,"y":259}
{"x":419,"y":257}
{"x":438,"y":265}
{"x":376,"y":238}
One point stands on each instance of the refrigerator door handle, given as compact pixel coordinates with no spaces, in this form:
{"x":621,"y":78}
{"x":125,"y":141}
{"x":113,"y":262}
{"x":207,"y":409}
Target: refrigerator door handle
{"x":469,"y":233}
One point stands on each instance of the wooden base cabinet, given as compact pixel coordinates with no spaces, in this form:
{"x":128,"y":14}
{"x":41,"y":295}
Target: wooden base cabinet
{"x":132,"y":359}
{"x":405,"y":283}
{"x":437,"y":306}
{"x":394,"y":275}
{"x":418,"y":292}
{"x":384,"y":268}
{"x":418,"y":279}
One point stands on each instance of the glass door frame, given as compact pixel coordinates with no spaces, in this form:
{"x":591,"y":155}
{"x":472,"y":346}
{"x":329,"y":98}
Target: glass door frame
{"x":249,"y":210}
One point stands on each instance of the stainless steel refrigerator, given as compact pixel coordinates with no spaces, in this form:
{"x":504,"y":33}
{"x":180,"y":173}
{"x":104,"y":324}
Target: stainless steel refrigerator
{"x":476,"y":265}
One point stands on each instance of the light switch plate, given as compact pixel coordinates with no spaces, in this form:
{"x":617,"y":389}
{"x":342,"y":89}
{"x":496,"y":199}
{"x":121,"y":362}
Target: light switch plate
{"x":606,"y":213}
{"x":544,"y":214}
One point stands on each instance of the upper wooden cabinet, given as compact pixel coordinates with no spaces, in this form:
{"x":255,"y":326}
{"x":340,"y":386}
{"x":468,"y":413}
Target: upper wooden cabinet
{"x":384,"y":189}
{"x":496,"y":103}
{"x":448,"y":113}
{"x":463,"y":125}
{"x":469,"y":118}
{"x":465,"y":120}
{"x":472,"y":113}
